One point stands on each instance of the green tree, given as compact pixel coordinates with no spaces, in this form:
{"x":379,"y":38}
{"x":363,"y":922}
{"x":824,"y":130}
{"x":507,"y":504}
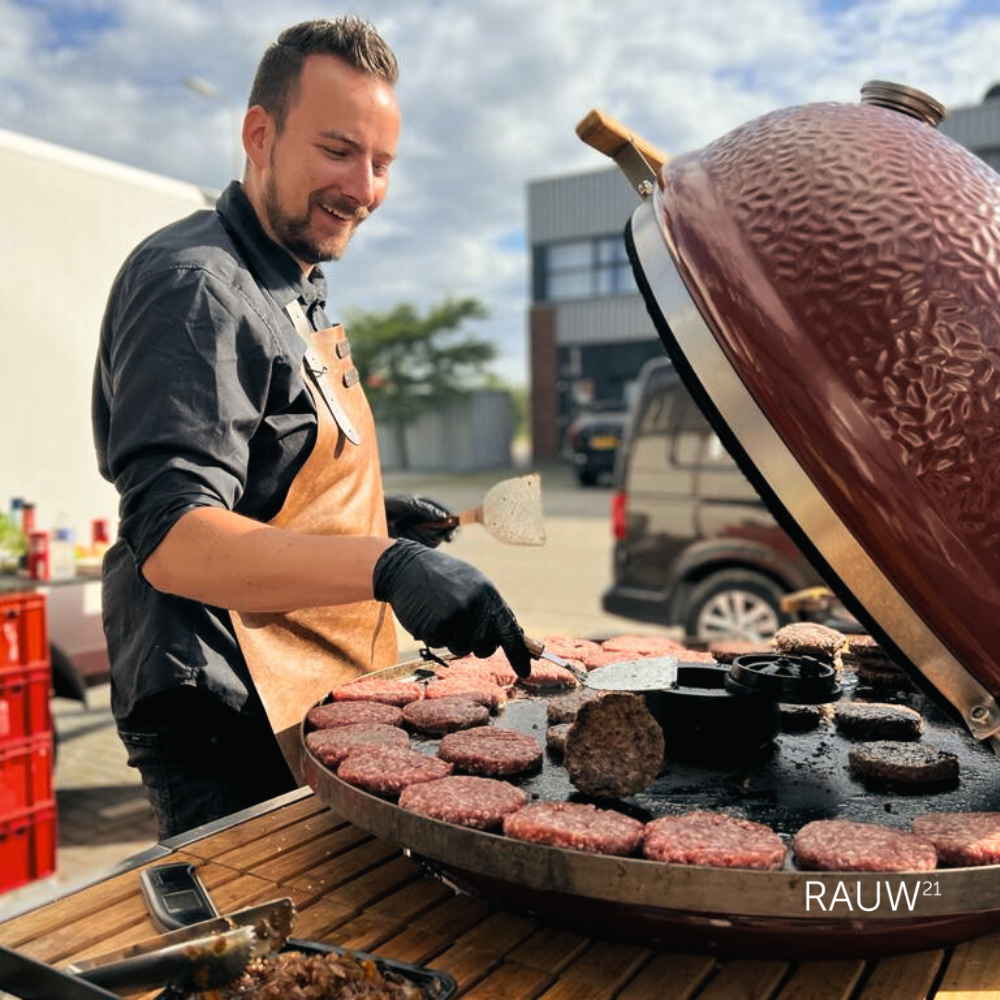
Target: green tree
{"x":411,"y":363}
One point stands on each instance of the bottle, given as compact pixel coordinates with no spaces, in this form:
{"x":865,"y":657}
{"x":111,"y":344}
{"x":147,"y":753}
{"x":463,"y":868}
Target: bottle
{"x":27,"y":519}
{"x":62,"y":555}
{"x":38,"y":555}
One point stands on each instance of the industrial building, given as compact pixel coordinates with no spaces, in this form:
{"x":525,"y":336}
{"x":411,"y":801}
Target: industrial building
{"x":588,"y":329}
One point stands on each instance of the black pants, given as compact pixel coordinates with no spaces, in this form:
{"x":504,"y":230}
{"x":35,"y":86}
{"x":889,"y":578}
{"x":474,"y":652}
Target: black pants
{"x":201,"y":760}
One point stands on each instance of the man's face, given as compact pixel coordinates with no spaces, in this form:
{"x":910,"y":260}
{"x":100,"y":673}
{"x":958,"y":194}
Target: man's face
{"x":329,"y":167}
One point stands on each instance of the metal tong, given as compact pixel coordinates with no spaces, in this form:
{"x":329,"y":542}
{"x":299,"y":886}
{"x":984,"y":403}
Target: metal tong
{"x":200,"y":957}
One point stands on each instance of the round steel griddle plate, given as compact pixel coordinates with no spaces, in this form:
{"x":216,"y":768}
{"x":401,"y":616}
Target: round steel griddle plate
{"x":733,"y":911}
{"x":841,"y":270}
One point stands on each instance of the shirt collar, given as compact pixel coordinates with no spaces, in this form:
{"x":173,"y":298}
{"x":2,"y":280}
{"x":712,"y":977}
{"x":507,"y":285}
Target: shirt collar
{"x":273,"y":264}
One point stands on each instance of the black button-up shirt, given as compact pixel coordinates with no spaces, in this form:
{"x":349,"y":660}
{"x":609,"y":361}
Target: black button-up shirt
{"x":198,"y":402}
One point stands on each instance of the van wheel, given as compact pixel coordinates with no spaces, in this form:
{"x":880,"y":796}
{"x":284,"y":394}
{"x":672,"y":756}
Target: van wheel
{"x":734,"y":604}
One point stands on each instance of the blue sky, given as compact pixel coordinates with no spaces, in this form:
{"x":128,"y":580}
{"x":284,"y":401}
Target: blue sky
{"x":490,"y":92}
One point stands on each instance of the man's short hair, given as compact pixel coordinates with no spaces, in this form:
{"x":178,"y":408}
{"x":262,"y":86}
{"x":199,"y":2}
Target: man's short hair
{"x":349,"y":38}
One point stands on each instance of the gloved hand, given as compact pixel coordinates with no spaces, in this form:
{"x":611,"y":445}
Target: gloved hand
{"x":408,"y":517}
{"x":444,"y":601}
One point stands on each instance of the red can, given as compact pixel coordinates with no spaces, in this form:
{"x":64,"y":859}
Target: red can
{"x":38,"y":555}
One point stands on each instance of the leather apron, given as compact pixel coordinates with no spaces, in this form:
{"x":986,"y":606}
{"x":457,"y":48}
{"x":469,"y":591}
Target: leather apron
{"x":295,"y":658}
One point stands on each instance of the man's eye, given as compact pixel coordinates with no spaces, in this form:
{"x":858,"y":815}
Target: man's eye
{"x":337,"y":154}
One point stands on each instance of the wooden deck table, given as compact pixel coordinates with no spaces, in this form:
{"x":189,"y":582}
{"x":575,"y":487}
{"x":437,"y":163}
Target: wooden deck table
{"x":354,"y":890}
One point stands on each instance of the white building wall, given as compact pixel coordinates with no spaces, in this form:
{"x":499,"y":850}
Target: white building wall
{"x":67,"y":221}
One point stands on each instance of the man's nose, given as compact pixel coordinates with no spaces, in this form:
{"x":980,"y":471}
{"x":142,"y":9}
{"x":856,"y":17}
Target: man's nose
{"x":360,"y":184}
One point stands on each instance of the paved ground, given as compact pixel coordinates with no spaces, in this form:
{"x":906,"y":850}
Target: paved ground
{"x":102,"y":813}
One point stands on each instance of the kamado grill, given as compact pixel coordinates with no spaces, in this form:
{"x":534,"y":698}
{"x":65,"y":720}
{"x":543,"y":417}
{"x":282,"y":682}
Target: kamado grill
{"x":826,"y":279}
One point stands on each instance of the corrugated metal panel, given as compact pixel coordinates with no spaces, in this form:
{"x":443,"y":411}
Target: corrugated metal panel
{"x":975,"y":128}
{"x":603,"y":321}
{"x":579,"y":206}
{"x":464,"y":436}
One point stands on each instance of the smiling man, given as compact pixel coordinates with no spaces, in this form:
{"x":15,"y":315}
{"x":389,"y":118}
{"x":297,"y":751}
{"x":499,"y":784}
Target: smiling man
{"x":258,"y":561}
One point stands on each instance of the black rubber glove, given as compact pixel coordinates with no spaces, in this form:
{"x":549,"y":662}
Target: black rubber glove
{"x":408,"y":517}
{"x":446,"y":602}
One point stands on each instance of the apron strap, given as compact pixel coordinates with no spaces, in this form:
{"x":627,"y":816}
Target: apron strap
{"x":317,"y":372}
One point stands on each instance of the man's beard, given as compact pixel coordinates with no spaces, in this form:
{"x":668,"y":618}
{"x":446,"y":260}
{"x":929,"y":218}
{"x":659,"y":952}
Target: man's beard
{"x":293,"y":232}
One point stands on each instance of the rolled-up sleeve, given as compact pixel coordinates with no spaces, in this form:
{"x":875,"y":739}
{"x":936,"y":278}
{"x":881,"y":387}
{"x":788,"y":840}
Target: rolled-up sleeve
{"x":184,"y":378}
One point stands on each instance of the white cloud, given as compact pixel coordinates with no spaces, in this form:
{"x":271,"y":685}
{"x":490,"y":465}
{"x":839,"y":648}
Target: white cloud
{"x":490,"y":93}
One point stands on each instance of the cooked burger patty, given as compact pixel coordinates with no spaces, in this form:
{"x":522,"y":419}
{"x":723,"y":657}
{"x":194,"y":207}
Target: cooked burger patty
{"x":379,"y":689}
{"x":801,"y":718}
{"x":810,"y":639}
{"x":464,"y":799}
{"x":969,"y":838}
{"x":614,"y":747}
{"x":578,"y":825}
{"x":346,"y":713}
{"x":388,"y":770}
{"x":555,"y":738}
{"x":563,"y":707}
{"x":913,"y":764}
{"x":871,"y":720}
{"x":332,"y":746}
{"x":714,"y":840}
{"x":490,"y":751}
{"x":445,"y":715}
{"x":842,"y":845}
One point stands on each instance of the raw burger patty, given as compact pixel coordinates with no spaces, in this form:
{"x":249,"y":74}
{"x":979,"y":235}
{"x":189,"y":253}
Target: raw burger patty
{"x":464,"y":799}
{"x":563,"y":707}
{"x":488,"y":751}
{"x":445,"y":715}
{"x":713,"y":840}
{"x":334,"y":745}
{"x":482,"y":692}
{"x":346,"y":713}
{"x":388,"y":770}
{"x":495,"y":668}
{"x":548,"y":675}
{"x":579,"y":825}
{"x":871,"y":720}
{"x":902,"y":763}
{"x":379,"y":689}
{"x":572,"y":649}
{"x":841,"y":845}
{"x":615,"y":747}
{"x":639,"y":646}
{"x":971,"y":838}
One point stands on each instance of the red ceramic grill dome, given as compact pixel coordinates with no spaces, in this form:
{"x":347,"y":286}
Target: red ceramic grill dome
{"x":827,"y":279}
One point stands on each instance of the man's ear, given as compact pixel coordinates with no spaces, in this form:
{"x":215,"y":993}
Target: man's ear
{"x":258,"y":134}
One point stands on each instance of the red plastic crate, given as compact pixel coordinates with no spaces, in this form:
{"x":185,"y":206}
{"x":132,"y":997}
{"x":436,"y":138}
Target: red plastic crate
{"x":23,"y":634}
{"x":24,"y":703}
{"x":25,"y":775}
{"x":27,"y":846}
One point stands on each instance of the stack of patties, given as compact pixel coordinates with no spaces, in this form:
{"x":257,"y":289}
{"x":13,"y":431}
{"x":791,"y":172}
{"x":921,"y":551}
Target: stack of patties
{"x":872,"y":664}
{"x":822,"y":643}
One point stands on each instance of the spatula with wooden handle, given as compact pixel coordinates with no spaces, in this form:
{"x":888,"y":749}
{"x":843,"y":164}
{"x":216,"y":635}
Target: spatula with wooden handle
{"x":511,"y":511}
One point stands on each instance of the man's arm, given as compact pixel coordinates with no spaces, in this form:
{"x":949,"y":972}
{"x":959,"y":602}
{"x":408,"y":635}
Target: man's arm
{"x":221,"y":558}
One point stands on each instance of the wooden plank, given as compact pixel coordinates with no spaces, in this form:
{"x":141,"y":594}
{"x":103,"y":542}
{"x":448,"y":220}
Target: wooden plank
{"x":295,"y":849}
{"x":413,"y":899}
{"x":903,"y":976}
{"x":454,"y":917}
{"x":681,"y":975}
{"x":374,"y":884}
{"x":511,"y":981}
{"x":745,"y":979}
{"x":973,"y":973}
{"x":302,"y":868}
{"x":498,"y":933}
{"x":367,"y":931}
{"x":828,"y":980}
{"x":605,"y":966}
{"x":263,"y":827}
{"x":416,"y":946}
{"x":550,"y":949}
{"x":468,"y":965}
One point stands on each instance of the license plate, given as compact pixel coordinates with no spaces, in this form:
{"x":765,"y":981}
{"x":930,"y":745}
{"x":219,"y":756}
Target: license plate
{"x":604,"y":442}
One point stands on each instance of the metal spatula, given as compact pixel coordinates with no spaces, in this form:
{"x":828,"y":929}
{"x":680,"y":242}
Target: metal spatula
{"x":511,"y":512}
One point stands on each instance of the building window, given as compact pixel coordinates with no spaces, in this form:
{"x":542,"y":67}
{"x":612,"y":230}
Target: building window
{"x":586,"y":269}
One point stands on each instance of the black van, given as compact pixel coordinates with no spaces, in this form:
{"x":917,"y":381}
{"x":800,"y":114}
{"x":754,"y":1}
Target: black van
{"x":694,"y":544}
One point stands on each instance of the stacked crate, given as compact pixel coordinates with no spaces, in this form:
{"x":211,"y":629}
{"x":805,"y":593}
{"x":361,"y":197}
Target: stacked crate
{"x":27,"y":803}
